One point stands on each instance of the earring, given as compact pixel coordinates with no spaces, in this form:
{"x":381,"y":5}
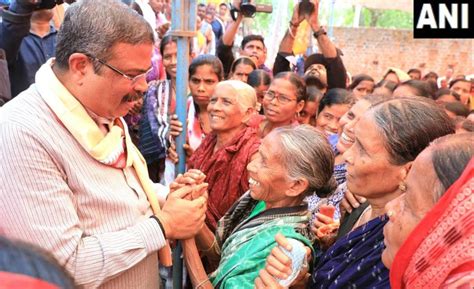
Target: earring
{"x":402,"y":187}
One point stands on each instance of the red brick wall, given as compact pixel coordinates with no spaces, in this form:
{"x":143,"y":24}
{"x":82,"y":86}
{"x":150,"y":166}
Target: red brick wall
{"x":372,"y":50}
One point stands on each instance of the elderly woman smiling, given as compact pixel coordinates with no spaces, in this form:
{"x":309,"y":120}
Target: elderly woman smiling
{"x":388,"y":138}
{"x":346,"y":140}
{"x":429,"y":234}
{"x":291,"y":163}
{"x":225,"y":153}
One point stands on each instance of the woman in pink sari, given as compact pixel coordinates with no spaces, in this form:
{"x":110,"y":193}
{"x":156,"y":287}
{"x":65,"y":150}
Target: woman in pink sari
{"x":429,"y":236}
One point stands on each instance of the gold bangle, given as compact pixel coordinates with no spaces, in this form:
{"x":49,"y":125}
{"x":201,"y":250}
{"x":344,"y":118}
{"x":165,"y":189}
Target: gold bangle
{"x":198,"y":286}
{"x":212,"y":246}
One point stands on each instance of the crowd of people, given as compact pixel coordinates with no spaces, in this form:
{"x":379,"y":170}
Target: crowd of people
{"x":296,"y":176}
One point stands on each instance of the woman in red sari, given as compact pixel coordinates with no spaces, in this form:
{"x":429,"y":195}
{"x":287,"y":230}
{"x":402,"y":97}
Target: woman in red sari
{"x":224,"y":154}
{"x":431,"y":228}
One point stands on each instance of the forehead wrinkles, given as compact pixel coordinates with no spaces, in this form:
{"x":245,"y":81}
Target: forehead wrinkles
{"x":366,"y":136}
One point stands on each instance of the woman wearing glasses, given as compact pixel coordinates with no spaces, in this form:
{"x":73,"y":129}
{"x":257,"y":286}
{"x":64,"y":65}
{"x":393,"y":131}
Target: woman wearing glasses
{"x":282,"y":102}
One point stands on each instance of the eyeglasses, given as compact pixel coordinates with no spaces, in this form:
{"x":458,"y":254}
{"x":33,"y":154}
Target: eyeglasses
{"x":283,"y":99}
{"x":133,"y":79}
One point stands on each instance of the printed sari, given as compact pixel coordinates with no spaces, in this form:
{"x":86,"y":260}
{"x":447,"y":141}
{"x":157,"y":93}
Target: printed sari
{"x":354,"y":261}
{"x":438,"y":253}
{"x":246,"y":240}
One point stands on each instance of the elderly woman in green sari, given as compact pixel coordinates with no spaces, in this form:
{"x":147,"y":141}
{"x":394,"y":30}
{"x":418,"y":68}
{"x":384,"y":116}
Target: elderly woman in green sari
{"x":292,"y":163}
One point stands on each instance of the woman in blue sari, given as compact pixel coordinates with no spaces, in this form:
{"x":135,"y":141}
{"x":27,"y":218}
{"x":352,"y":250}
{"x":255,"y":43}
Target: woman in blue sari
{"x":345,"y":141}
{"x":291,"y":163}
{"x":388,"y":138}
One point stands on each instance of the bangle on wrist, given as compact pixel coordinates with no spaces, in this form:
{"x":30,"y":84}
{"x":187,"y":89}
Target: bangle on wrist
{"x":154,"y":217}
{"x":211,"y":247}
{"x":293,"y":24}
{"x":199,"y":285}
{"x":319,"y":32}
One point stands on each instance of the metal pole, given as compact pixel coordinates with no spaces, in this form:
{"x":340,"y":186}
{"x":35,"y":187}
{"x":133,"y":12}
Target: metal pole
{"x":183,"y":26}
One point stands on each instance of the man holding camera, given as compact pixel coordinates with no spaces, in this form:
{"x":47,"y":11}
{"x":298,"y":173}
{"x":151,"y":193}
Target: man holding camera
{"x":28,"y":39}
{"x":71,"y":180}
{"x":252,"y":46}
{"x":326,"y":68}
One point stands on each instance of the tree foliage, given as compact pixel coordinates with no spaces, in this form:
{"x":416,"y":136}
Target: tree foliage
{"x":343,"y":17}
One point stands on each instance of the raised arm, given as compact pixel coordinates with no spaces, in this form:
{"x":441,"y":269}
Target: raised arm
{"x":328,"y":49}
{"x":336,"y":72}
{"x":229,"y":35}
{"x":286,"y":45}
{"x":14,"y":27}
{"x":224,"y":45}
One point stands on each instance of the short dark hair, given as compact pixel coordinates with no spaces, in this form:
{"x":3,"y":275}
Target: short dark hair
{"x":252,"y":37}
{"x":358,"y":79}
{"x":446,"y":91}
{"x":259,"y":77}
{"x":450,"y":156}
{"x":336,"y":96}
{"x":27,"y":259}
{"x":167,"y":40}
{"x":453,"y":82}
{"x":95,"y":27}
{"x":315,"y":58}
{"x":430,"y":74}
{"x":415,"y":70}
{"x":420,"y":87}
{"x":223,"y":4}
{"x":457,"y":108}
{"x":408,"y":125}
{"x":390,"y":85}
{"x":242,"y":60}
{"x":207,"y":59}
{"x":314,"y":94}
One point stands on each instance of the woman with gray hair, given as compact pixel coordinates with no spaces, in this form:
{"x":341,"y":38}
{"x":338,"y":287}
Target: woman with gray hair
{"x":224,"y":154}
{"x":291,"y":163}
{"x":387,"y":139}
{"x":429,"y":233}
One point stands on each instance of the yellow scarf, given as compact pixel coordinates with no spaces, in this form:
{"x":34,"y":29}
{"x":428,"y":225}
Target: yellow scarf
{"x":105,"y":149}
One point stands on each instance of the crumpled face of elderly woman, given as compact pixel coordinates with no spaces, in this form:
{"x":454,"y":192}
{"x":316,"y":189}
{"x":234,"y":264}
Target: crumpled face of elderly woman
{"x":268,"y":175}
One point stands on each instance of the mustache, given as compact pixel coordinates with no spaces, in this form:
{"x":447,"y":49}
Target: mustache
{"x":133,"y":97}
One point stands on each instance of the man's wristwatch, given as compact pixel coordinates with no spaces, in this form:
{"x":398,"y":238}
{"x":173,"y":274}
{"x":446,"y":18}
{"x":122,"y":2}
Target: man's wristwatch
{"x":319,"y":32}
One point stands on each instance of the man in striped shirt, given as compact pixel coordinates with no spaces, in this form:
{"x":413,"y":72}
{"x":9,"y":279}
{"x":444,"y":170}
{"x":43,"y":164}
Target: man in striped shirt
{"x":71,"y":181}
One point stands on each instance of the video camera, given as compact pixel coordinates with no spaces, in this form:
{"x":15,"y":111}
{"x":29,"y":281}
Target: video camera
{"x":248,"y":9}
{"x":40,"y":4}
